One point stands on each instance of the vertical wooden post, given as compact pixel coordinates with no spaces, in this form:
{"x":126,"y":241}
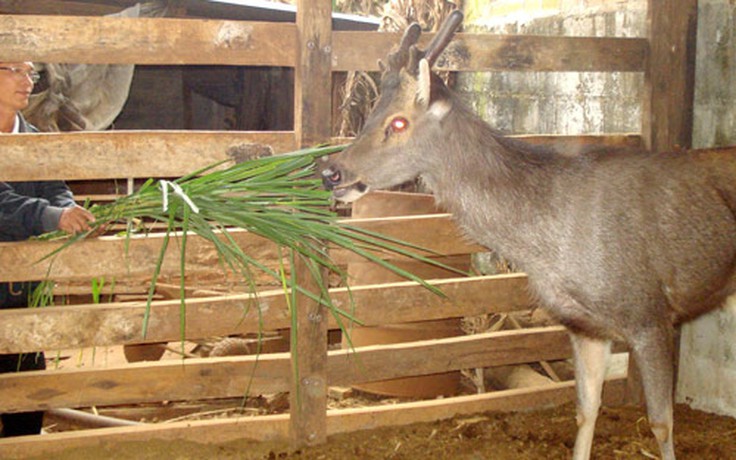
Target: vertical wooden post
{"x":312,"y":83}
{"x":312,"y":124}
{"x":669,"y":86}
{"x":308,"y":394}
{"x":669,"y":91}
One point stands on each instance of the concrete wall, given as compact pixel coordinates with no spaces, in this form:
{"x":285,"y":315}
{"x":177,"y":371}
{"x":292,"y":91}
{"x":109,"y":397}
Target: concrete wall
{"x":577,"y":103}
{"x":707,"y":377}
{"x":560,"y":102}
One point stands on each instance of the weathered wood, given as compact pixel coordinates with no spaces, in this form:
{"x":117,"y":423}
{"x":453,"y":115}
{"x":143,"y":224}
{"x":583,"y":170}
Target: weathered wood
{"x":26,"y":330}
{"x":384,"y":204}
{"x":349,"y":420}
{"x":275,"y":427}
{"x":669,"y":80}
{"x":66,"y":7}
{"x":173,"y":380}
{"x":308,"y":389}
{"x":425,"y":231}
{"x":575,"y":144}
{"x":484,"y":52}
{"x":196,"y":379}
{"x":107,"y":40}
{"x":261,"y":428}
{"x":117,"y":258}
{"x":102,"y":40}
{"x":312,"y":75}
{"x":118,"y":154}
{"x":562,"y":142}
{"x":368,"y":364}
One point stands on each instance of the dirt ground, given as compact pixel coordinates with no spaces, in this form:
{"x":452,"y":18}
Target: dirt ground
{"x":622,"y":433}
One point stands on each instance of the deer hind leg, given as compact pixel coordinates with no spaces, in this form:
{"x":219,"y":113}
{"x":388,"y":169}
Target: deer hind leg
{"x":591,"y":358}
{"x":654,"y":353}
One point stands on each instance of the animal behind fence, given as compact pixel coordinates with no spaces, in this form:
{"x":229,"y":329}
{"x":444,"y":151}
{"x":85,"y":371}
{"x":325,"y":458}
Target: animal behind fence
{"x":617,"y":245}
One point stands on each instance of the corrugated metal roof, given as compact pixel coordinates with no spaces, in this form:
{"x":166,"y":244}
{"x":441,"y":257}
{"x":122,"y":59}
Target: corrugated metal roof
{"x":261,"y":10}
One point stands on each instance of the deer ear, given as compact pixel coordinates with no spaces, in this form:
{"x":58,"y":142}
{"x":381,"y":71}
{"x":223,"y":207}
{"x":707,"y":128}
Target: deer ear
{"x":424,"y":84}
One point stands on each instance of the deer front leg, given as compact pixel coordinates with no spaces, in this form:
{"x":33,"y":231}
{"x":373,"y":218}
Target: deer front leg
{"x":591,"y":358}
{"x":653,"y":351}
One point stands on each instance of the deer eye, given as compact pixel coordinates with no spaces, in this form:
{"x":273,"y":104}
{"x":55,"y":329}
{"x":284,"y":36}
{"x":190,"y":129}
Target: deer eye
{"x":397,"y":125}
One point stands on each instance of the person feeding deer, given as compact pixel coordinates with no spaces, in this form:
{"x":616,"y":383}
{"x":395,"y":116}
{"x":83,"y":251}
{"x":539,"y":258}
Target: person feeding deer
{"x":617,"y":246}
{"x":28,"y":209}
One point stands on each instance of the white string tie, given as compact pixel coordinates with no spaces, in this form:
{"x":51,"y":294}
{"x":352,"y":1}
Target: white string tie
{"x":165,"y":185}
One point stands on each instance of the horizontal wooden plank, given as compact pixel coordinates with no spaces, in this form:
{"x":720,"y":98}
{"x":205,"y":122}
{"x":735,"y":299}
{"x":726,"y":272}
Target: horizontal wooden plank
{"x":571,"y":145}
{"x":271,"y":373}
{"x":486,"y":52}
{"x":565,"y":143}
{"x":275,"y":427}
{"x":146,"y":382}
{"x":369,"y":363}
{"x":66,"y":7}
{"x":121,"y":154}
{"x":107,"y":40}
{"x":115,"y":257}
{"x":55,"y":328}
{"x":436,"y":233}
{"x":522,"y":399}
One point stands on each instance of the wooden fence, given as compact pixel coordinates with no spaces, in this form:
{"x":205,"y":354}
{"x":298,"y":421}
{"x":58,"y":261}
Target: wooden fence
{"x":315,"y":51}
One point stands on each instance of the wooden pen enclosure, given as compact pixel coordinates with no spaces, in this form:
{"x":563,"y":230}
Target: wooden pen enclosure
{"x":315,"y":51}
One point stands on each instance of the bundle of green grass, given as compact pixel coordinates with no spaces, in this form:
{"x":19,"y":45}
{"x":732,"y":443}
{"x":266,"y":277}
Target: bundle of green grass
{"x":277,"y":197}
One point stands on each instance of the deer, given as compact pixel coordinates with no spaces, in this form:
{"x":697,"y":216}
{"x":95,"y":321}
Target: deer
{"x":617,"y":245}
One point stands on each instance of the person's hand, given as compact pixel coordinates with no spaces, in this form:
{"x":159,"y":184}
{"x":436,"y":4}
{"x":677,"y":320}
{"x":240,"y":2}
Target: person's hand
{"x":75,"y":219}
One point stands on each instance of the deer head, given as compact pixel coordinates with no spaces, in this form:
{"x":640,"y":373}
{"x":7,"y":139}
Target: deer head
{"x":404,"y":122}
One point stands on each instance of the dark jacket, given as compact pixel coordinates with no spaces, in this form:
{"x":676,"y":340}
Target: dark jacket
{"x":28,"y":209}
{"x":31,"y":208}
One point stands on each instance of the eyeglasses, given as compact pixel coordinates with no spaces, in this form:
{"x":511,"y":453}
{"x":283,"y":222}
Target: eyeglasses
{"x":19,"y":72}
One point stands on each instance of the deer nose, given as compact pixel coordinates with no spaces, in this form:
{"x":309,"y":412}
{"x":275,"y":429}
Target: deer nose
{"x":331,"y":178}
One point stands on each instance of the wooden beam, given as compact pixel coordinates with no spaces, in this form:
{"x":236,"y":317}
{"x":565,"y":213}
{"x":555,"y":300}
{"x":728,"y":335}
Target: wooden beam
{"x":369,"y":363}
{"x":312,"y":79}
{"x":57,"y":7}
{"x":436,"y":233}
{"x":57,"y":328}
{"x":118,"y":258}
{"x":238,"y":376}
{"x":669,"y":83}
{"x":312,"y":125}
{"x":115,"y":257}
{"x":116,"y":154}
{"x":172,"y":380}
{"x":275,"y":427}
{"x":104,"y":40}
{"x":486,"y":52}
{"x":119,"y":154}
{"x":349,"y":420}
{"x":567,"y":144}
{"x":308,"y":369}
{"x":108,"y":40}
{"x":575,"y":144}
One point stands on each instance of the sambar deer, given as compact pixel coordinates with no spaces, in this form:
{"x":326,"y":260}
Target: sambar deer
{"x":616,"y":245}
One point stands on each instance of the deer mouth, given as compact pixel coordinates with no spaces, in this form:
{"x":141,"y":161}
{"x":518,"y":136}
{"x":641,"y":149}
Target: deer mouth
{"x":348,"y":193}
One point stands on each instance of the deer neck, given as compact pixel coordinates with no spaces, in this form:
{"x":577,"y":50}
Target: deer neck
{"x":499,"y":190}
